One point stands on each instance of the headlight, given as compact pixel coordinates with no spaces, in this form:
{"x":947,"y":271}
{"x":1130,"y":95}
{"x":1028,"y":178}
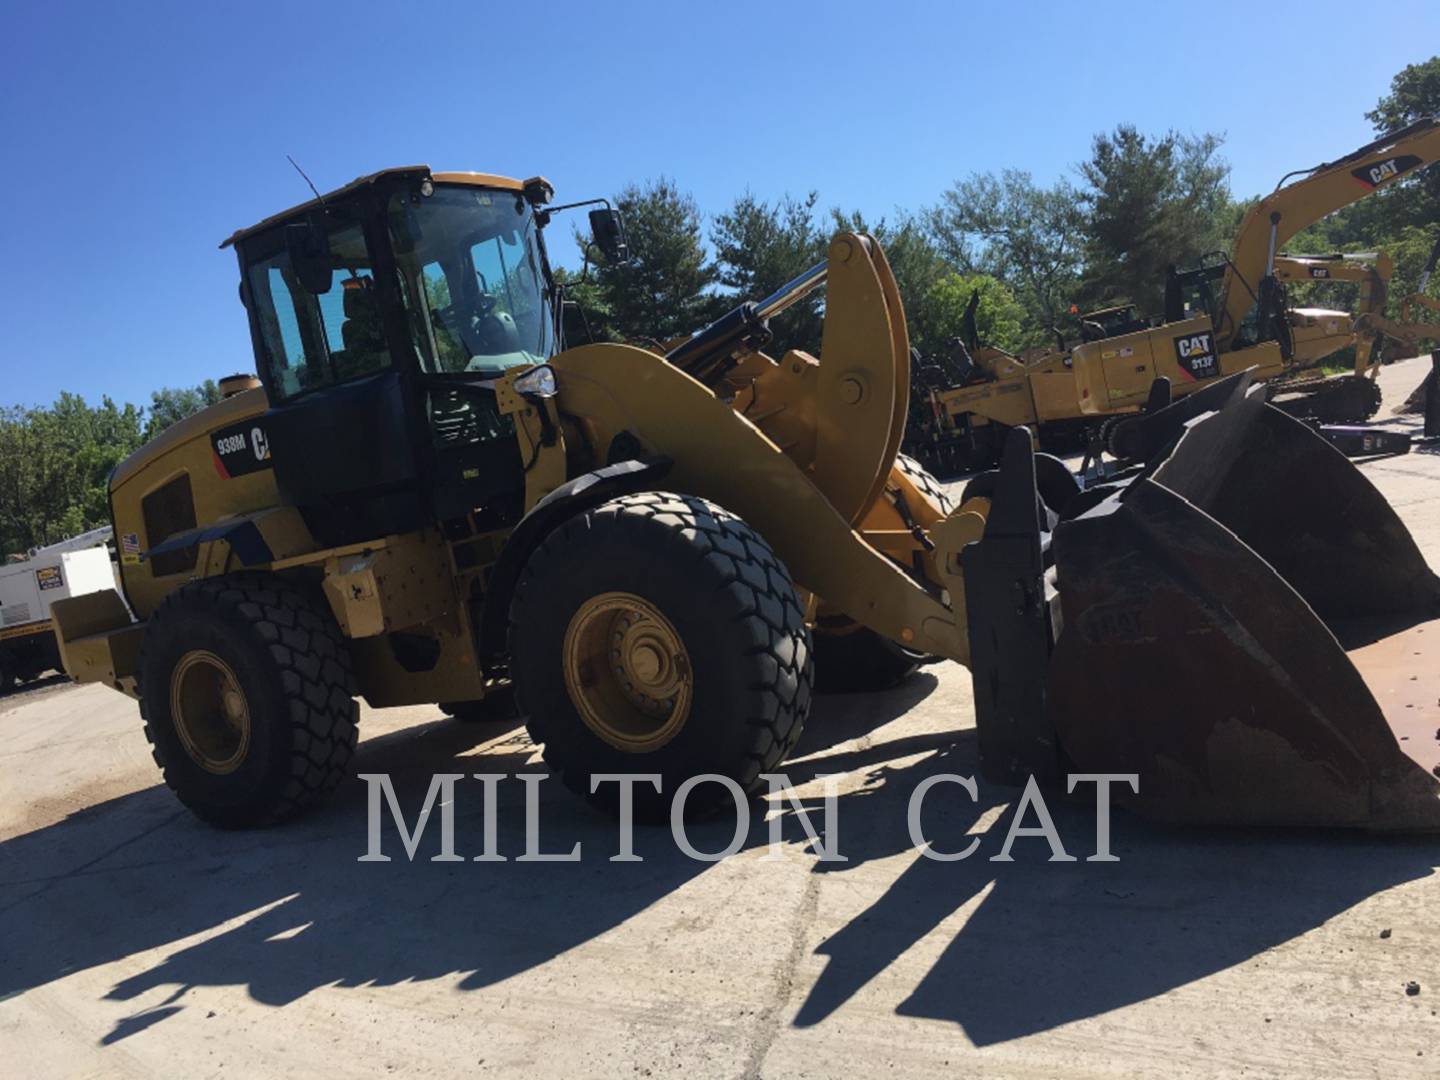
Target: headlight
{"x":537,"y":382}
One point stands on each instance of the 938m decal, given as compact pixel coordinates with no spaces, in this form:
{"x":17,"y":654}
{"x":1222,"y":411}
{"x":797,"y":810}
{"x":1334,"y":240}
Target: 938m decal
{"x":240,"y":449}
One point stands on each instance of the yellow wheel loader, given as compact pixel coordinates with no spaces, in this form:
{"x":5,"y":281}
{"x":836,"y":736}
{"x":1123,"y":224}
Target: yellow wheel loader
{"x":1228,"y":315}
{"x":428,"y":498}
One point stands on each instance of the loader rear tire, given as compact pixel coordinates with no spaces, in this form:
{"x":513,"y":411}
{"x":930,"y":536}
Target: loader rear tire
{"x":666,"y":595}
{"x":247,"y":695}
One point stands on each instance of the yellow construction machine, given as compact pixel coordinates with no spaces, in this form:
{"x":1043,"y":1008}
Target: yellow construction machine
{"x":1419,"y":320}
{"x":1418,"y":324}
{"x":1227,"y":315}
{"x":428,"y":497}
{"x":1322,"y":332}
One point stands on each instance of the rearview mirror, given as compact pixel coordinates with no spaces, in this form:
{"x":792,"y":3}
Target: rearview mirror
{"x":309,"y":257}
{"x":608,"y":233}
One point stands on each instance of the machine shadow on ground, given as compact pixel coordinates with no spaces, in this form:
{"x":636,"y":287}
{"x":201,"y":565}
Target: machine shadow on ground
{"x":1047,"y":944}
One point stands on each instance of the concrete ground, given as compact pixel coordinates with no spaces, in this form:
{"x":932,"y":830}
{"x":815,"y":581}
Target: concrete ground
{"x":137,"y":941}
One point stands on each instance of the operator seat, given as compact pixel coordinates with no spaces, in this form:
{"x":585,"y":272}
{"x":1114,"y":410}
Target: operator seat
{"x":361,"y":334}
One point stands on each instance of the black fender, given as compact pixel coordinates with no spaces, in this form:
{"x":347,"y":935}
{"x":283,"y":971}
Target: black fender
{"x":584,"y":492}
{"x":242,"y":534}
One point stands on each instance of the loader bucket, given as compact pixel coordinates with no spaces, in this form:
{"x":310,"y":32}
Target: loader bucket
{"x":1249,"y":628}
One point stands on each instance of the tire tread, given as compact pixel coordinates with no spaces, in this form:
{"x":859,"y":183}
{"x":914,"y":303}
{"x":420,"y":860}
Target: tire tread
{"x":317,"y":682}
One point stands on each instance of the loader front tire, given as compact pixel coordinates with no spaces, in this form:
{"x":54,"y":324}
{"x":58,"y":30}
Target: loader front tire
{"x":247,"y":695}
{"x":659,"y":634}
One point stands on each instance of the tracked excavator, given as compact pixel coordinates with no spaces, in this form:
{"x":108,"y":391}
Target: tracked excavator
{"x":1227,"y":315}
{"x":427,"y":495}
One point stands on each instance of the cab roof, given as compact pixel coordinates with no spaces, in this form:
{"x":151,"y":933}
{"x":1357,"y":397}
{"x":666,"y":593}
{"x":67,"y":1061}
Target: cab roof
{"x":488,"y":180}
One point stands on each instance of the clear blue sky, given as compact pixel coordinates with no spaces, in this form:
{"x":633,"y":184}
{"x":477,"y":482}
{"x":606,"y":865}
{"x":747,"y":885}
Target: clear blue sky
{"x":136,"y":136}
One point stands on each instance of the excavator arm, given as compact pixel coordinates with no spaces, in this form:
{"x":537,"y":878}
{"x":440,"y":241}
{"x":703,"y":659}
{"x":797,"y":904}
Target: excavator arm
{"x":1320,"y":191}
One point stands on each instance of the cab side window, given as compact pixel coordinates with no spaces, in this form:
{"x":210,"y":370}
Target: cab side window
{"x":314,"y":340}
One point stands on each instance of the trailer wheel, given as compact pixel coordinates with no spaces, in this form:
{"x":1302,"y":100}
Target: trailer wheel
{"x":247,"y":694}
{"x":658,"y":633}
{"x":7,"y":672}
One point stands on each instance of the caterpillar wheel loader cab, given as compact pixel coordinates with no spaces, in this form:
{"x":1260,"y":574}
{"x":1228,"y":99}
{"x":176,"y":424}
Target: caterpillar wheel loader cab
{"x":428,"y":499}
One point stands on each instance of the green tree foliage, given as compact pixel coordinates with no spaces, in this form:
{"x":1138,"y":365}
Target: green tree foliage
{"x":759,"y":246}
{"x":170,"y":404}
{"x":55,"y":461}
{"x":999,"y":317}
{"x":55,"y":466}
{"x":1027,"y":236}
{"x":587,"y":316}
{"x":662,"y":291}
{"x":1414,"y":95}
{"x":1150,"y":202}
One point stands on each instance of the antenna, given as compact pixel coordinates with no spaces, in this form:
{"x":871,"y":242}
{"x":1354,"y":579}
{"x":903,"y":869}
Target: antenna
{"x":318,"y":196}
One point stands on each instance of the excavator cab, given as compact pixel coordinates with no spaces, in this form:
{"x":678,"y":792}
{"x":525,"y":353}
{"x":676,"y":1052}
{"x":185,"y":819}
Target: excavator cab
{"x":1111,"y":322}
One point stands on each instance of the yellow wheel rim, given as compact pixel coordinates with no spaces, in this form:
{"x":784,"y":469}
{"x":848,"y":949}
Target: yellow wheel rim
{"x":211,"y":714}
{"x":627,"y":672}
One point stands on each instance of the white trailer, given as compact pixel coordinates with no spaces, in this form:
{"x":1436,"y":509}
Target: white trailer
{"x":28,"y":588}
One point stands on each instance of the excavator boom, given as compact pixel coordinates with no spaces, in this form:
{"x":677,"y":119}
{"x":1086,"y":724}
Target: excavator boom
{"x":1321,"y":191}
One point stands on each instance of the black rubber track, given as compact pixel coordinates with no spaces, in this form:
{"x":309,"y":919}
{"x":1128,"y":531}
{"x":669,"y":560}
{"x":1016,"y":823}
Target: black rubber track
{"x":1339,"y":399}
{"x":297,"y":677}
{"x":733,"y":604}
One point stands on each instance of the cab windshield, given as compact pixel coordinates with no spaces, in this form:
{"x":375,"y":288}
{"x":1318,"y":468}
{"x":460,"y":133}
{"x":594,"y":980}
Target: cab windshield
{"x":472,"y":269}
